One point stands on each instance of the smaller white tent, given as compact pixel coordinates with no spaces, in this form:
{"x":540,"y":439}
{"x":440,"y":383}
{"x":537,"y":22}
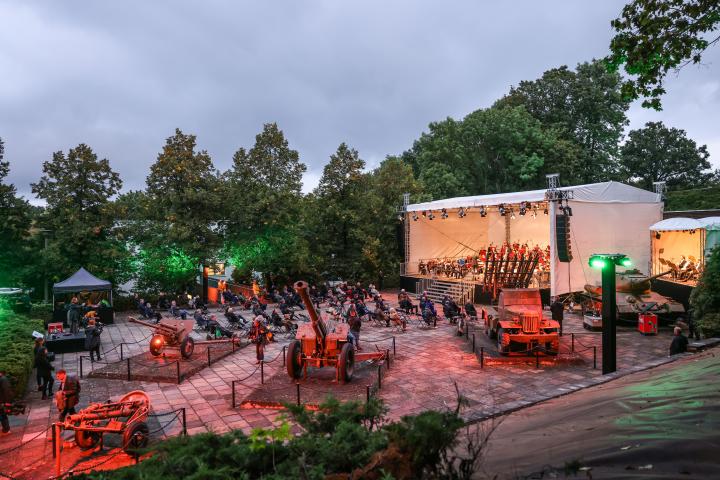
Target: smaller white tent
{"x":608,"y":217}
{"x":675,"y":241}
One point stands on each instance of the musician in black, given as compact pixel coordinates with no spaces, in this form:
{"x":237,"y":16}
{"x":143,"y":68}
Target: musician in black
{"x":259,"y":336}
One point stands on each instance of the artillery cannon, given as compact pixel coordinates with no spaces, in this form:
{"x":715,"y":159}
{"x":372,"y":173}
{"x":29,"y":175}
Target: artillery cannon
{"x":99,"y":418}
{"x":318,"y":345}
{"x":174,"y":333}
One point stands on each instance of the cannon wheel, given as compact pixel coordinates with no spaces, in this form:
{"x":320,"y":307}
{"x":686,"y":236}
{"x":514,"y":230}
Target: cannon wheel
{"x":294,"y":359}
{"x":346,"y":363}
{"x":187,"y":346}
{"x":157,"y":342}
{"x":135,"y":437}
{"x":501,"y":349}
{"x":87,"y":440}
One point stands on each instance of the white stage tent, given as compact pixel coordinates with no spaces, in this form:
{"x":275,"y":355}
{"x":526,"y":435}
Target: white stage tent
{"x":607,"y":217}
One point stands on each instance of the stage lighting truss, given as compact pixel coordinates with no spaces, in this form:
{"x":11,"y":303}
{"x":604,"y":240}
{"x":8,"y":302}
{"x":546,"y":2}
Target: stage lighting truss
{"x":444,"y":213}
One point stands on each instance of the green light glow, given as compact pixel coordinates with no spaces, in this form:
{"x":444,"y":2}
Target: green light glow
{"x":598,"y":262}
{"x":626,"y":262}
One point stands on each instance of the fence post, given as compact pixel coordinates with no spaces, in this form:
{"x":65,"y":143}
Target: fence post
{"x":128,"y":369}
{"x":467,"y":329}
{"x":208,"y":355}
{"x":283,"y":354}
{"x":297,"y":384}
{"x":594,"y":356}
{"x":81,"y":366}
{"x":537,"y":359}
{"x":177,"y":366}
{"x":233,"y":393}
{"x":387,"y":358}
{"x":435,"y":321}
{"x":262,"y":371}
{"x":121,"y":352}
{"x":394,"y":351}
{"x":572,"y":342}
{"x":54,"y":439}
{"x":482,"y":357}
{"x":379,"y":376}
{"x":473,"y":343}
{"x":367,"y":393}
{"x":58,"y":443}
{"x":184,"y":420}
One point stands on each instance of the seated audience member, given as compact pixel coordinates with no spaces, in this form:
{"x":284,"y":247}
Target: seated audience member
{"x":395,"y":318}
{"x":470,"y":311}
{"x":200,"y":319}
{"x":405,"y":302}
{"x":679,"y":342}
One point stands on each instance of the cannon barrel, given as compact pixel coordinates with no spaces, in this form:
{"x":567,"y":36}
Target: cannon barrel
{"x":161,"y":328}
{"x":301,"y":287}
{"x":659,"y":275}
{"x":140,"y":322}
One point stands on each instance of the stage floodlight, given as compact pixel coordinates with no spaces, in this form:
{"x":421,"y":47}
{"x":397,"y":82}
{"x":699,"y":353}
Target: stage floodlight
{"x":545,"y":211}
{"x":431,"y":215}
{"x":501,"y":209}
{"x":568,"y":210}
{"x":444,"y":214}
{"x":523,"y":208}
{"x":415,"y":217}
{"x":483,"y":212}
{"x":400,"y":217}
{"x":657,"y":235}
{"x":598,"y":262}
{"x":626,"y":262}
{"x":461,"y":212}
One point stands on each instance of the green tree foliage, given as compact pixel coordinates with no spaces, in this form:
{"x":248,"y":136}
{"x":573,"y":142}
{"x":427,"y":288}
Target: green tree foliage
{"x":264,"y":208}
{"x":658,"y":153}
{"x":586,"y":108}
{"x":695,"y":199}
{"x":654,"y":37}
{"x":77,"y":188}
{"x":14,"y":224}
{"x":493,"y":150}
{"x":705,"y":297}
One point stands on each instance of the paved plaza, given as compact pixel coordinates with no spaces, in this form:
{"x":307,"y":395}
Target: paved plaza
{"x":427,"y":365}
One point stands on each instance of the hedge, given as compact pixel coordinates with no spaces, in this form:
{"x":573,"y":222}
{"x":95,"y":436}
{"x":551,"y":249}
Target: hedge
{"x":16,"y":345}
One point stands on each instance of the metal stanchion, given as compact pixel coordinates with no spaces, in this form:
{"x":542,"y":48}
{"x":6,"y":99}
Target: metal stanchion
{"x":473,"y":344}
{"x":387,"y":358}
{"x":537,"y":359}
{"x":262,"y":371}
{"x":367,"y":393}
{"x":81,"y":366}
{"x":482,"y":357}
{"x":177,"y":366}
{"x":435,"y":321}
{"x":208,"y":355}
{"x":297,"y":384}
{"x":379,"y":377}
{"x":283,"y":354}
{"x":394,"y":351}
{"x":121,"y":351}
{"x":129,"y":375}
{"x":572,"y":342}
{"x":184,"y":420}
{"x":54,"y":439}
{"x":594,"y":357}
{"x":233,"y":393}
{"x":58,"y":443}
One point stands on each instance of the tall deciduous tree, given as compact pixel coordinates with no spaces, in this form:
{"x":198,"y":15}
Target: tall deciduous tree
{"x":658,"y":153}
{"x":77,"y":188}
{"x":14,"y":224}
{"x":586,"y":107}
{"x":656,"y":36}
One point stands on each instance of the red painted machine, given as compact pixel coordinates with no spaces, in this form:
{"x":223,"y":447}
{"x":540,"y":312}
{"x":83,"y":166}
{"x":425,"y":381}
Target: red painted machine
{"x":319,"y":345}
{"x":647,"y":323}
{"x":127,"y":417}
{"x":520,"y":326}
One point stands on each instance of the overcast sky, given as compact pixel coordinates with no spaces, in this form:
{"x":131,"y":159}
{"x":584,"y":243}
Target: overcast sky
{"x":121,"y":76}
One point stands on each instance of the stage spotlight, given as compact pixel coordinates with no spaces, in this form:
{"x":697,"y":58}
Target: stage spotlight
{"x":568,"y":211}
{"x":444,"y":214}
{"x":512,"y":214}
{"x":483,"y":212}
{"x":424,"y":213}
{"x":522,"y":208}
{"x":431,"y":215}
{"x":400,"y":217}
{"x":461,"y":212}
{"x":501,"y":209}
{"x":545,"y":211}
{"x":657,"y":235}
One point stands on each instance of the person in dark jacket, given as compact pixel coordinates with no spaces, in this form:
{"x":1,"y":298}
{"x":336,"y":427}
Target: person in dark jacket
{"x":259,"y":336}
{"x":558,"y":312}
{"x":69,"y":392}
{"x":470,"y":310}
{"x":6,"y":398}
{"x":73,"y":315}
{"x":679,"y":342}
{"x":45,"y":369}
{"x":39,"y":344}
{"x":92,"y":339}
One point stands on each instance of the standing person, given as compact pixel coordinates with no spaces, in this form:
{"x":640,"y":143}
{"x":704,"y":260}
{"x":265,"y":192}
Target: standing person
{"x":693,"y":332}
{"x":258,"y":334}
{"x":39,"y":344}
{"x":679,"y":342}
{"x":558,"y":312}
{"x":69,"y":393}
{"x":6,"y":398}
{"x":73,"y":315}
{"x":381,"y":277}
{"x":92,"y":339}
{"x":45,"y":369}
{"x":355,"y":323}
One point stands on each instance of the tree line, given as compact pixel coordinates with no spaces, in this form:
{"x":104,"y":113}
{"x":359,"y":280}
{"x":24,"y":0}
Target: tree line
{"x":255,"y":216}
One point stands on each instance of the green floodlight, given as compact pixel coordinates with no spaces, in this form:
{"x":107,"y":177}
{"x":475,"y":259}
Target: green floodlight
{"x":601,"y":261}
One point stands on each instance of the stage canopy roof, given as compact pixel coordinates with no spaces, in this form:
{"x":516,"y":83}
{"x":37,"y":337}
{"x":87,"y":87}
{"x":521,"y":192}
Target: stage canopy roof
{"x":606,"y":192}
{"x":677,"y":224}
{"x":710,"y":223}
{"x":82,"y":280}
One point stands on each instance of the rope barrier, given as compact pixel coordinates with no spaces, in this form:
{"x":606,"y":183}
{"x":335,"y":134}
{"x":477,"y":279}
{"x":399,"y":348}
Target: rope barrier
{"x":22,"y":444}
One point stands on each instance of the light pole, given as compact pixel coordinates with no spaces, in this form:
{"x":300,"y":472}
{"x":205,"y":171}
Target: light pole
{"x":607,"y":262}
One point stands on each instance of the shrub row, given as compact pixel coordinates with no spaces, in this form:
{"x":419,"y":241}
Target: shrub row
{"x":16,"y":345}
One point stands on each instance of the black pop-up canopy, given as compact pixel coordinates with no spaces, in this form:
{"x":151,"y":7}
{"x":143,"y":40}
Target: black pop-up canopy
{"x":82,"y":280}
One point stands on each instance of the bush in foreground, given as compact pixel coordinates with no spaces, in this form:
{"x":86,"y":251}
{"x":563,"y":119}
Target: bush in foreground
{"x":16,"y":345}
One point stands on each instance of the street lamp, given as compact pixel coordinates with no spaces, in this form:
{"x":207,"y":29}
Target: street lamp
{"x":606,"y":262}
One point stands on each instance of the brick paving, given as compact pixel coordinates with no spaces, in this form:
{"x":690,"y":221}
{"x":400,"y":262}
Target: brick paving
{"x":423,"y":374}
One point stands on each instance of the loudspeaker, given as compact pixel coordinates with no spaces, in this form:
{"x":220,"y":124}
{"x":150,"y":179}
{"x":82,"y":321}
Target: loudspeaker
{"x":562,"y":238}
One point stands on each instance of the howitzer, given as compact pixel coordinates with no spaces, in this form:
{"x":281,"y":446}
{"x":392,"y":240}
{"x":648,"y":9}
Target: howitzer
{"x":319,"y":345}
